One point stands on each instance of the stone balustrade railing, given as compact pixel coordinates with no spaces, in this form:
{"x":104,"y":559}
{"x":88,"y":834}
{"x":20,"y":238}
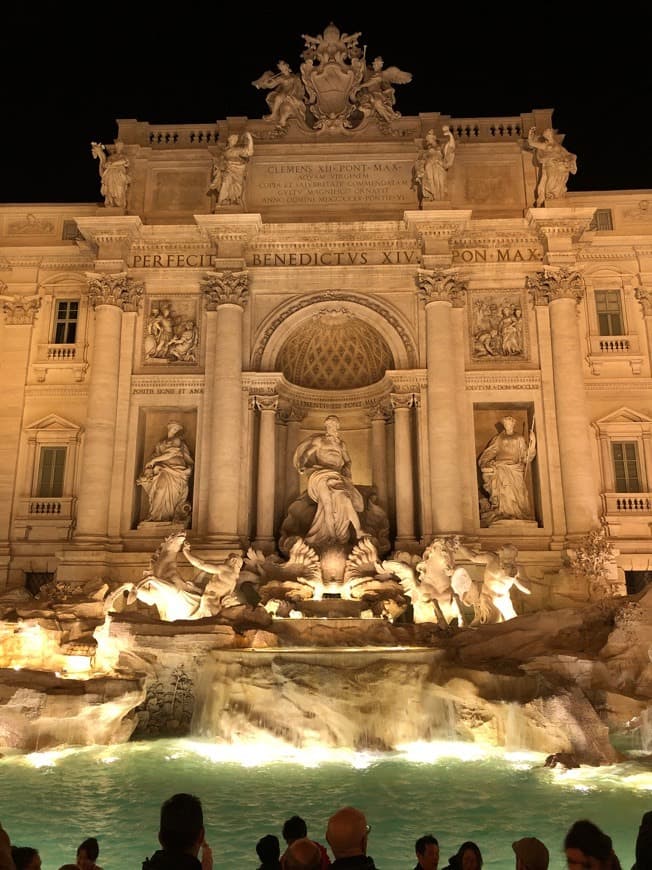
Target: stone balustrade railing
{"x":515,"y":128}
{"x":627,"y":502}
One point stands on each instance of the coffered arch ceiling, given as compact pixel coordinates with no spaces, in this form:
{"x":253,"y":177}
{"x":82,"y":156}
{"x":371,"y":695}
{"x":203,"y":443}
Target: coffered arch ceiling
{"x":334,"y":350}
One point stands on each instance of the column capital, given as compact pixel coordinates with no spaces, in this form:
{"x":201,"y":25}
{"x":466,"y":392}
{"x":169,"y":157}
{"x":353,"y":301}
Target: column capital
{"x":555,"y":282}
{"x":19,"y":310}
{"x":404,"y":400}
{"x":225,"y":288}
{"x":644,"y":296}
{"x":379,"y":412}
{"x":114,"y":289}
{"x":265,"y":403}
{"x":441,"y":285}
{"x":291,"y":414}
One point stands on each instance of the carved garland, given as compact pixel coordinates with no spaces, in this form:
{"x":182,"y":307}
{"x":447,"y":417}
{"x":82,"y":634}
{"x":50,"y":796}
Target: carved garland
{"x":329,"y":296}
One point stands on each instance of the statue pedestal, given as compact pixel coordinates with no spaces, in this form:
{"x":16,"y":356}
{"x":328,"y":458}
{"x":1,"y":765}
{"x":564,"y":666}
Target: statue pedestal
{"x":436,"y":205}
{"x":518,"y":526}
{"x":159,"y":530}
{"x":331,"y":608}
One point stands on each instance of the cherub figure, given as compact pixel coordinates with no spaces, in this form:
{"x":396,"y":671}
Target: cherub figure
{"x":376,"y":94}
{"x":286,"y":97}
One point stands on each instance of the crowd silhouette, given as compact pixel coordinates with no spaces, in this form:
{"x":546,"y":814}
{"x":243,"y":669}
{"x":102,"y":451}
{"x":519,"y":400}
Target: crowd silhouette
{"x":183,"y":846}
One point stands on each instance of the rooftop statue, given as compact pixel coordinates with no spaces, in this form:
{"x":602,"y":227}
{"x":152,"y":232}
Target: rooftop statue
{"x":230,"y":170}
{"x":286,"y":97}
{"x":336,"y":90}
{"x":376,"y":93}
{"x":430,"y":170}
{"x":556,"y":163}
{"x":114,"y":172}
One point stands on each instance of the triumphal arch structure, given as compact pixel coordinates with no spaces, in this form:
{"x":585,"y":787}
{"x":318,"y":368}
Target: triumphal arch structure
{"x":481,"y":336}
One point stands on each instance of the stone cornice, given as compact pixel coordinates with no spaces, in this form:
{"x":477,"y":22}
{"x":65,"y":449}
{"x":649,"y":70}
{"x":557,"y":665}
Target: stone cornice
{"x":555,"y":282}
{"x":441,"y":285}
{"x":408,"y":380}
{"x":225,"y":288}
{"x":593,"y":252}
{"x":19,"y":310}
{"x":110,"y":231}
{"x":440,"y":224}
{"x":229,"y":227}
{"x":343,"y":244}
{"x":572,"y":222}
{"x":114,"y":289}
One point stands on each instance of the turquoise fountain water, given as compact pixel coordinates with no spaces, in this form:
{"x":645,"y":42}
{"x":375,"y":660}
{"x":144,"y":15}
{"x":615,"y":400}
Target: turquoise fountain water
{"x":457,"y":791}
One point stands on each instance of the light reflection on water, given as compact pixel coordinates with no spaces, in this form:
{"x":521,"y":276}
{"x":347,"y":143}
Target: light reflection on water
{"x":458,"y":791}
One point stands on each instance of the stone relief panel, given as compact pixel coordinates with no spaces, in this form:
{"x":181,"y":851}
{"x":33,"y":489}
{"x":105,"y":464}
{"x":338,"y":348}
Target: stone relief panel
{"x":498,"y":327}
{"x":171,"y":332}
{"x":178,"y":189}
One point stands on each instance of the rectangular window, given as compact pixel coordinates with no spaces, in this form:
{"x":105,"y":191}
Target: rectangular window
{"x":65,"y":324}
{"x":609,"y":310}
{"x":50,"y":472}
{"x":602,"y":220}
{"x":626,"y":469}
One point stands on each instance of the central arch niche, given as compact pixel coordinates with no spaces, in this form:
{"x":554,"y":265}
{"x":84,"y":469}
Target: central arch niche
{"x":334,"y":350}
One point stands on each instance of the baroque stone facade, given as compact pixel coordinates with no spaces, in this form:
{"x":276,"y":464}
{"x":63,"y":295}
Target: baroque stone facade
{"x":325,"y":282}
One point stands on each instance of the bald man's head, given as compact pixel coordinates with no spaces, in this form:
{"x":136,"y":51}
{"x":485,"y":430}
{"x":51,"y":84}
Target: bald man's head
{"x":302,"y":854}
{"x":347,"y":833}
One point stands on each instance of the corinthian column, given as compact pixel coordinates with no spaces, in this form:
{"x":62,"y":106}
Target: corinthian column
{"x":561,"y":289}
{"x":226,"y":295}
{"x":440,"y":290}
{"x":402,"y":404}
{"x":378,"y":416}
{"x":267,"y":406}
{"x":109,"y":295}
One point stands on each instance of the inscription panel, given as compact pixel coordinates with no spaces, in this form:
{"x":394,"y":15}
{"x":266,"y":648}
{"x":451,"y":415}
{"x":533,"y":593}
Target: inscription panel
{"x":330,"y":182}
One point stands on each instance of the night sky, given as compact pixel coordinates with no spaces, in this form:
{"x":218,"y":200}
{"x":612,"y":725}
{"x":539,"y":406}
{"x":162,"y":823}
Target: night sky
{"x":79,"y":68}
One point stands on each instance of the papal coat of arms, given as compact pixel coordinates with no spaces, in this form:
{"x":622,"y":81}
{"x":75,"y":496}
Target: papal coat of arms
{"x":336,"y":89}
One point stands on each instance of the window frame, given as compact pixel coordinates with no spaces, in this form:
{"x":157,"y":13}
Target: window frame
{"x":66,"y":322}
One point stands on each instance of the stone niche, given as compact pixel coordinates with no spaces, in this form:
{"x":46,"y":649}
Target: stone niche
{"x":152,"y":428}
{"x":487,"y":424}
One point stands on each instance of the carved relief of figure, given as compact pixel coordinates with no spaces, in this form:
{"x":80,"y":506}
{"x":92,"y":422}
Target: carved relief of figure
{"x":556,"y":163}
{"x":325,"y":458}
{"x":430,"y":171}
{"x":504,"y":463}
{"x":230,"y":170}
{"x":183,"y":346}
{"x":114,"y":172}
{"x":497,"y":328}
{"x":376,"y":93}
{"x":166,"y":476}
{"x":286,"y":94}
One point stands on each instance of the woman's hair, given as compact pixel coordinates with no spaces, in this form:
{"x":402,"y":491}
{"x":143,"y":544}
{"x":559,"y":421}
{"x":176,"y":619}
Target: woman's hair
{"x":91,"y":847}
{"x":588,"y":838}
{"x":473,"y":847}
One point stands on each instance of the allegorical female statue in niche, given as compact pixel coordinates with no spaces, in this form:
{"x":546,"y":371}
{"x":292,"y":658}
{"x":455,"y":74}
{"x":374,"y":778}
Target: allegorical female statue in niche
{"x":504,"y":463}
{"x":166,"y":478}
